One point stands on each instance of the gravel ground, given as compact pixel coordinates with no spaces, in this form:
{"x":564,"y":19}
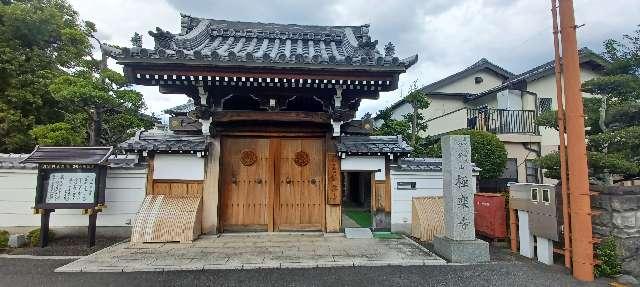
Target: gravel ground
{"x":66,"y":245}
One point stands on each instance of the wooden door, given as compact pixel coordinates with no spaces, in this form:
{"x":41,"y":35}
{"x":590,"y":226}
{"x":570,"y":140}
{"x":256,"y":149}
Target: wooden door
{"x":300,"y":185}
{"x":247,"y":181}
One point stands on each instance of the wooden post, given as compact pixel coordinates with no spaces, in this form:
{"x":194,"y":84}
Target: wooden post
{"x":149,"y":189}
{"x":44,"y":227}
{"x":579,"y":197}
{"x":562,"y":145}
{"x":93,"y":216}
{"x":513,"y":230}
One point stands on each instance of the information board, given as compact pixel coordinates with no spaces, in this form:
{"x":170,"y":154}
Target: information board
{"x":65,"y":187}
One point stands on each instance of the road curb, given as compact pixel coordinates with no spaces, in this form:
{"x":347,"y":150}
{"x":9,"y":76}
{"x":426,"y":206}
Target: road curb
{"x":36,"y":257}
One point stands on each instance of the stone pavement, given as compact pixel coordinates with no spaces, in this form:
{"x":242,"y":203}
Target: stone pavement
{"x":258,"y":250}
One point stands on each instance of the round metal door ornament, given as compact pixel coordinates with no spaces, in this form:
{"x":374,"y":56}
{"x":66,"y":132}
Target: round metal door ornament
{"x":301,"y":158}
{"x":248,"y":157}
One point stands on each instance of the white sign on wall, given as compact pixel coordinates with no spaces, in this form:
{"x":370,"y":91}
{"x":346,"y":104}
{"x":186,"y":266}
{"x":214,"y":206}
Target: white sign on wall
{"x":67,"y":187}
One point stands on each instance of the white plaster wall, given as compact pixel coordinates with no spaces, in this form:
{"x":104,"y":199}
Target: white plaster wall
{"x":400,"y":111}
{"x":364,"y":163}
{"x":124,"y":193}
{"x":440,"y":105}
{"x":178,"y":166}
{"x":427,"y":184}
{"x":450,"y":122}
{"x":545,"y":87}
{"x":468,"y":85}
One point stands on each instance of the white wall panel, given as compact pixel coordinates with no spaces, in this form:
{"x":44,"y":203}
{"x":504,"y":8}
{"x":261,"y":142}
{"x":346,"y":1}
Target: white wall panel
{"x":364,"y":163}
{"x":427,"y":184}
{"x":178,"y":166}
{"x":123,"y":195}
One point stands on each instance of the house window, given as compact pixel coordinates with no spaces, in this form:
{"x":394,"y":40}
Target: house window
{"x":407,"y":185}
{"x":533,"y":172}
{"x":545,"y":196}
{"x":478,"y":80}
{"x":511,"y":169}
{"x":534,"y":194}
{"x":544,"y":104}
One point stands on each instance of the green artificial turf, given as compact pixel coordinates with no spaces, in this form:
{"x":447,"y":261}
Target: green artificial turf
{"x":362,"y":218}
{"x":386,"y":235}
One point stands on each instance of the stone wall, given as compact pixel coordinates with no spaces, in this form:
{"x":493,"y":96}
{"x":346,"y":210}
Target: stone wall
{"x":620,"y":217}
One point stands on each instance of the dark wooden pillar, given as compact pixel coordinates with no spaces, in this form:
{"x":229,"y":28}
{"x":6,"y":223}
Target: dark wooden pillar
{"x":44,"y":227}
{"x":93,"y":216}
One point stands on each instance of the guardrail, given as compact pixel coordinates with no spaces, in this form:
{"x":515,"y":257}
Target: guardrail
{"x":501,"y":121}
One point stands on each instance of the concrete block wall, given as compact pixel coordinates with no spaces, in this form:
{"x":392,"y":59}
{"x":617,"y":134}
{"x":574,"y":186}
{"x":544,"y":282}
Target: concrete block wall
{"x":620,"y":218}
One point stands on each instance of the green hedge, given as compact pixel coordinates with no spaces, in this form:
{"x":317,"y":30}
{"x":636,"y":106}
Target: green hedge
{"x":33,"y":237}
{"x":4,"y":238}
{"x":487,"y":152}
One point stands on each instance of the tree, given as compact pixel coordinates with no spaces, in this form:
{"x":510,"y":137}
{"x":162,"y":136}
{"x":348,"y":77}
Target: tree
{"x":417,"y":99}
{"x":487,"y":152}
{"x":52,"y":90}
{"x":39,"y":40}
{"x":102,"y":103}
{"x":613,"y":117}
{"x":411,"y":124}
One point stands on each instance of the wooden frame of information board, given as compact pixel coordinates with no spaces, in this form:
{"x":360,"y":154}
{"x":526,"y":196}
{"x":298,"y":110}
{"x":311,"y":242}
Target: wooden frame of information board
{"x":69,"y":178}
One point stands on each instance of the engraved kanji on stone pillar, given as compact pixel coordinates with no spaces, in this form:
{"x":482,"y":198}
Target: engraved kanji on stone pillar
{"x":458,"y":188}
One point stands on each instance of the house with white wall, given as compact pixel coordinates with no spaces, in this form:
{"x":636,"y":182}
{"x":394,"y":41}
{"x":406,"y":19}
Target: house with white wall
{"x":485,"y":96}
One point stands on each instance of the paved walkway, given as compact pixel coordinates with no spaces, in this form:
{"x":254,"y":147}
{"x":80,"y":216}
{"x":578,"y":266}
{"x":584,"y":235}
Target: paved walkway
{"x":251,"y":251}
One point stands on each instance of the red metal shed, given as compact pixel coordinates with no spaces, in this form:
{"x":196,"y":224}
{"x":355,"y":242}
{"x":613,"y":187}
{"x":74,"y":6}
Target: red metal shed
{"x":490,"y":215}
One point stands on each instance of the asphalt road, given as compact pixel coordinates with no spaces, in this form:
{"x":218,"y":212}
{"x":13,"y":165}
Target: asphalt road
{"x":504,"y":272}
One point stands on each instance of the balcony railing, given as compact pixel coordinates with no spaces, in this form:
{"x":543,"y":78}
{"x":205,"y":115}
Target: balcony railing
{"x":500,"y":121}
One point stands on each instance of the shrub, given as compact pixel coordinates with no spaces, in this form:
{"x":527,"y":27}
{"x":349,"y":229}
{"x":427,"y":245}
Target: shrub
{"x":487,"y":152}
{"x":4,"y":238}
{"x":607,"y":254}
{"x":33,"y":237}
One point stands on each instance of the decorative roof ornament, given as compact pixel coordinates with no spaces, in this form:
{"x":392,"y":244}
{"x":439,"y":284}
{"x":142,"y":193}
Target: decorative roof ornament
{"x":163,"y":39}
{"x":136,"y":40}
{"x":389,"y":50}
{"x":366,"y":47}
{"x":187,"y":23}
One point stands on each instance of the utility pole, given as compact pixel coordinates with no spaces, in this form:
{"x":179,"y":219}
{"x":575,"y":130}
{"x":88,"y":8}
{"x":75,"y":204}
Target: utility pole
{"x":566,"y":226}
{"x":579,"y":198}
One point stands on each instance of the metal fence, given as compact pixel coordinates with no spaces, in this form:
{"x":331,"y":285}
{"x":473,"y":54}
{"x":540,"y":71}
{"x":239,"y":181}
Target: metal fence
{"x":501,"y":121}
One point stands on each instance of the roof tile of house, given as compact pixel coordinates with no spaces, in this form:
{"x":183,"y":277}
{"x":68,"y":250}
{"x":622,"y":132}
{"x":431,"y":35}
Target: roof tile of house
{"x":373,"y":145}
{"x":164,"y":141}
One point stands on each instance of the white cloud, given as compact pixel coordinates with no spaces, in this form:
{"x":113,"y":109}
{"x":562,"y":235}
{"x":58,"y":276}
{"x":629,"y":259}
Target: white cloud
{"x":448,"y":35}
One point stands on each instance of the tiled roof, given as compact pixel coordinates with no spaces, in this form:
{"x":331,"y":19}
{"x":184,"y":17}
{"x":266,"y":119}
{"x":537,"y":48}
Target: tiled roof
{"x":540,"y":71}
{"x":423,"y":164}
{"x":9,"y":161}
{"x":181,"y":109}
{"x":477,"y":66}
{"x":164,"y":141}
{"x":13,"y":161}
{"x":221,"y":42}
{"x":373,"y":145}
{"x":69,"y":155}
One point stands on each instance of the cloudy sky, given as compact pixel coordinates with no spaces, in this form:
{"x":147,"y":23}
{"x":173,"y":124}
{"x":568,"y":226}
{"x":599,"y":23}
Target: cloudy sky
{"x":448,"y":35}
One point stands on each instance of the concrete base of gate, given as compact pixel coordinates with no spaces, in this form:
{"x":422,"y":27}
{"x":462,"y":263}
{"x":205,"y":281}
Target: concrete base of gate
{"x":461,"y":251}
{"x":251,"y":251}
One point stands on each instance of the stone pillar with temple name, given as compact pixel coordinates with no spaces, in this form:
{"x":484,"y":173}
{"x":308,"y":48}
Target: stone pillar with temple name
{"x":459,"y":243}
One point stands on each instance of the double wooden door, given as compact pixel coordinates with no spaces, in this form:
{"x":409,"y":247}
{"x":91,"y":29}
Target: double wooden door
{"x":272,"y":184}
